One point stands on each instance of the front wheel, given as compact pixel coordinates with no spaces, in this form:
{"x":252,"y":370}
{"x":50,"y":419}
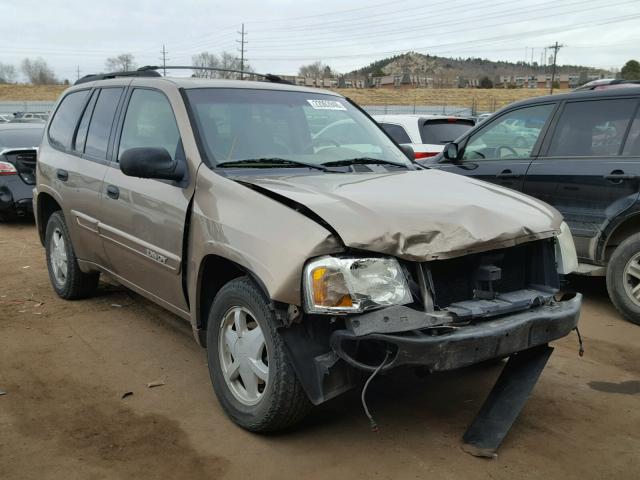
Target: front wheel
{"x":623,"y":278}
{"x":248,"y":363}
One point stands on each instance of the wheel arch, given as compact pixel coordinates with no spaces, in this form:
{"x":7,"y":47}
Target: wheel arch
{"x":617,"y":234}
{"x":46,"y":205}
{"x":214,"y":272}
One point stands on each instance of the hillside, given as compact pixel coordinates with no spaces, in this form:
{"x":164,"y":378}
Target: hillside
{"x":430,"y":65}
{"x":17,"y":93}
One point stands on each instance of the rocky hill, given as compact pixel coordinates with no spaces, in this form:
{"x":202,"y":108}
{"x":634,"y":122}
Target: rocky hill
{"x":414,"y":63}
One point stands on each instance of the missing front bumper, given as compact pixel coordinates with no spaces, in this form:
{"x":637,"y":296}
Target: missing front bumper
{"x":449,"y":346}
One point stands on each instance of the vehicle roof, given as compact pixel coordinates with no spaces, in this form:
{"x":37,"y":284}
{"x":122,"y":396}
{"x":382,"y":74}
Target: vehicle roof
{"x":415,"y":116}
{"x":191,"y":83}
{"x":580,"y":95}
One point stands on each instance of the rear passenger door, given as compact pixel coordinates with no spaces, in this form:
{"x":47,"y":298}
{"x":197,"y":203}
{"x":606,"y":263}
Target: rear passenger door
{"x":582,"y":169}
{"x":143,"y":220}
{"x":500,"y":153}
{"x":81,"y":131}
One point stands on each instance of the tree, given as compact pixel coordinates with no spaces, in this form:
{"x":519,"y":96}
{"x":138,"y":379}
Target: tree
{"x":38,"y":72}
{"x":205,"y":59}
{"x":121,"y":63}
{"x":226,"y":61}
{"x":485,"y":82}
{"x":631,"y":70}
{"x":315,"y":70}
{"x":7,"y":73}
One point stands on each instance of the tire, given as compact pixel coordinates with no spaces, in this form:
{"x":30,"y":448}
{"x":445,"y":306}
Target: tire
{"x":74,"y":283}
{"x":620,"y":282}
{"x":282,"y":402}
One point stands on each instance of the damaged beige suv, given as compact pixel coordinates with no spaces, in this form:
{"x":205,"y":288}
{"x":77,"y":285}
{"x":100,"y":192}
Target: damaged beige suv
{"x":305,"y":247}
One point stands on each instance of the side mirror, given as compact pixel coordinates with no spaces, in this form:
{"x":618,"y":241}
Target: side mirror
{"x":408,"y":151}
{"x":450,"y":152}
{"x":150,"y":162}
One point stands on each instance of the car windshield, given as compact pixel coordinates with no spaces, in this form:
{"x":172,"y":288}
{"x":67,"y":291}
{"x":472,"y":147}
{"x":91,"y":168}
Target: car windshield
{"x":20,"y":138}
{"x":245,"y":124}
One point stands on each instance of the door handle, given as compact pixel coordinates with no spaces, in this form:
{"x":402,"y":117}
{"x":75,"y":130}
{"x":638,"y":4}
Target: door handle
{"x":507,"y":174}
{"x":62,"y":175}
{"x":113,"y":192}
{"x":618,"y":176}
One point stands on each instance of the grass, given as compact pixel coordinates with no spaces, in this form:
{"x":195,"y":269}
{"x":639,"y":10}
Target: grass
{"x":483,"y":100}
{"x":16,"y":93}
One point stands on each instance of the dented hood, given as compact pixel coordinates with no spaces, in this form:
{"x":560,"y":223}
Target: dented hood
{"x":416,"y":215}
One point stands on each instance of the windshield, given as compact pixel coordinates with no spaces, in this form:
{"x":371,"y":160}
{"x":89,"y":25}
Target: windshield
{"x":243,"y":124}
{"x":20,"y":138}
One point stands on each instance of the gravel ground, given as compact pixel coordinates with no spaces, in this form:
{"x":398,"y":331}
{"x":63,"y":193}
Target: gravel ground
{"x":66,"y":366}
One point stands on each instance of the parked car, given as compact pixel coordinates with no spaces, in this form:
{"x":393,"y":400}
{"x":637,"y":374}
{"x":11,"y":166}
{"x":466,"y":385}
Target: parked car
{"x":300,"y":265}
{"x":482,"y":117}
{"x":5,"y":117}
{"x":426,"y":134}
{"x":607,"y":83}
{"x":585,"y":161}
{"x":18,"y":149}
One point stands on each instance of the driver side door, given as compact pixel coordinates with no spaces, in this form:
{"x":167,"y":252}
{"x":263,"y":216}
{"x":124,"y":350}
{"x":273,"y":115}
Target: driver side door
{"x":501,"y":151}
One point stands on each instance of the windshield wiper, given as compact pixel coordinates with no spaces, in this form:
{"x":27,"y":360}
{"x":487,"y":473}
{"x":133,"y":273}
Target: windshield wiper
{"x":269,"y":162}
{"x":363,"y":161}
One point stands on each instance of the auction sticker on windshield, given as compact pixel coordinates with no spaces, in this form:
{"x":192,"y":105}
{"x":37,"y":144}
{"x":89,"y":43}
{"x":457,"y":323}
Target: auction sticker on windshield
{"x":326,"y":105}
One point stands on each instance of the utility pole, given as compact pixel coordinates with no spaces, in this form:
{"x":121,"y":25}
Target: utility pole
{"x":242,"y":43}
{"x":164,"y":61}
{"x":555,"y":49}
{"x":78,"y":72}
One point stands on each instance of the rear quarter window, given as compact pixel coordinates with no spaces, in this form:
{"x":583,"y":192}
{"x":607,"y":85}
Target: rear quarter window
{"x":66,"y":118}
{"x":593,"y":128}
{"x":398,"y":133}
{"x":439,"y":132}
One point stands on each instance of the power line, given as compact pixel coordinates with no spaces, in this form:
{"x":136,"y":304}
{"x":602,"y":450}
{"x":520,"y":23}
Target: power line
{"x":164,"y":61}
{"x":555,"y":49}
{"x":242,"y":43}
{"x":78,"y":72}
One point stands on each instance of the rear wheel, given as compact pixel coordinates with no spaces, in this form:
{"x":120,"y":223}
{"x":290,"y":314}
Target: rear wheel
{"x":623,"y":278}
{"x":65,"y":275}
{"x":249,"y":366}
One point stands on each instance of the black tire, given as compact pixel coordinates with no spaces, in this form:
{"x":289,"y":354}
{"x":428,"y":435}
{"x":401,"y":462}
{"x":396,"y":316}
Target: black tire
{"x":77,"y":284}
{"x":616,"y":280}
{"x":283,"y":402}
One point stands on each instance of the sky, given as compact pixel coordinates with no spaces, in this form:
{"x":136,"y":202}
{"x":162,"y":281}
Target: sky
{"x":284,"y":34}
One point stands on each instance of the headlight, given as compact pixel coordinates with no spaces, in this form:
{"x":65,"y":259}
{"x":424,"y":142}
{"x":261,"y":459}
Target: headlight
{"x":342,"y":285}
{"x":566,"y":258}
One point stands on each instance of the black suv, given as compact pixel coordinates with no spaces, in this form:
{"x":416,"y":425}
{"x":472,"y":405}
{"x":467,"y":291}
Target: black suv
{"x":579,"y":152}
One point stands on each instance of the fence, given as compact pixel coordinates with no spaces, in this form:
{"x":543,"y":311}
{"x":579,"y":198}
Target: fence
{"x":26,"y":106}
{"x":418,"y":109}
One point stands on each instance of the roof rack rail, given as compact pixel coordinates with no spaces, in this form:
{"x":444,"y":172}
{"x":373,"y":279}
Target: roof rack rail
{"x":152,"y":71}
{"x":267,"y":76}
{"x":104,"y":76}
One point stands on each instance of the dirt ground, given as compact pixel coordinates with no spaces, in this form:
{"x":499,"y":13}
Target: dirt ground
{"x":65,"y":367}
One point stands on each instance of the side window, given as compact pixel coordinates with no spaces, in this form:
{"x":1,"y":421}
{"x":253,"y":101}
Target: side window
{"x":396,"y":132}
{"x":512,"y":135}
{"x":101,"y":122}
{"x":150,"y":122}
{"x":81,"y":135}
{"x":66,"y":118}
{"x":632,"y":146}
{"x":593,"y":128}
